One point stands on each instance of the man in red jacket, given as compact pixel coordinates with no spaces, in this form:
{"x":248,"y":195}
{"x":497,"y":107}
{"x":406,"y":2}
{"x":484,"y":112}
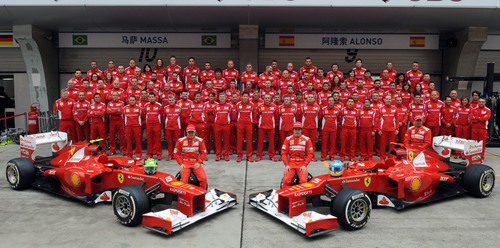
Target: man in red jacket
{"x":433,"y":115}
{"x":266,"y":114}
{"x":197,"y":115}
{"x":222,"y":127}
{"x":64,"y":109}
{"x":366,"y":130}
{"x":387,"y":126}
{"x":349,"y":120}
{"x":414,"y":76}
{"x":287,"y":115}
{"x":172,"y":124}
{"x":132,"y":116}
{"x":116,"y":125}
{"x":310,"y":113}
{"x":97,"y":113}
{"x":329,"y":120}
{"x":418,"y":136}
{"x":185,"y":105}
{"x":416,"y":108}
{"x":80,"y":115}
{"x":245,"y":112}
{"x":311,"y":69}
{"x":209,"y":113}
{"x":190,"y":152}
{"x":479,"y":122}
{"x":153,"y":111}
{"x":301,"y":151}
{"x":448,"y":117}
{"x":402,"y":118}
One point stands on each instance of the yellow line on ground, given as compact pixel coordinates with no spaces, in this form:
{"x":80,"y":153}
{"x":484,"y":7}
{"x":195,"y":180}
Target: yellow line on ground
{"x":490,"y":156}
{"x":497,"y":175}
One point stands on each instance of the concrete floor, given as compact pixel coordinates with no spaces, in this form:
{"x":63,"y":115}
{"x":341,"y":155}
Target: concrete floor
{"x":33,"y":218}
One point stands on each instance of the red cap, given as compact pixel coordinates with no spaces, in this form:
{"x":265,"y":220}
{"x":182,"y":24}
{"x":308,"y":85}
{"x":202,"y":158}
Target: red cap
{"x":419,"y":117}
{"x":297,"y":125}
{"x":190,"y":128}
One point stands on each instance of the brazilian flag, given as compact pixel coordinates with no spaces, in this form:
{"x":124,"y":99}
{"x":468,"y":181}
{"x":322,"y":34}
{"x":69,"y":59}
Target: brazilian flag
{"x":80,"y":40}
{"x":209,"y":40}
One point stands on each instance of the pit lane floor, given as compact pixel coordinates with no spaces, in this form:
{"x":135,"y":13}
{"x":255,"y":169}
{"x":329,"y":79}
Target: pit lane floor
{"x":32,"y":218}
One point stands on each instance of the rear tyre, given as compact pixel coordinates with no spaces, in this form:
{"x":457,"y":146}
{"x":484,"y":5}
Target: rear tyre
{"x":193,"y":180}
{"x":352,"y":207}
{"x":20,"y":173}
{"x":479,"y":180}
{"x":129,"y":204}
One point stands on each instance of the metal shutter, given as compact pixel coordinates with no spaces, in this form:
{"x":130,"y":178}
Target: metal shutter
{"x":71,"y":58}
{"x":485,"y":57}
{"x":12,"y":60}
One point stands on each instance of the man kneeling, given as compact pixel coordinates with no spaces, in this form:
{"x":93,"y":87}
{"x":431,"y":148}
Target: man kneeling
{"x":190,"y":152}
{"x":301,"y":152}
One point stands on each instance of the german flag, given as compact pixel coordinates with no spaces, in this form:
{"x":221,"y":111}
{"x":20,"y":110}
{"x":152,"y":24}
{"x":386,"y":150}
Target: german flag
{"x":6,"y":40}
{"x":287,"y":40}
{"x":417,"y":41}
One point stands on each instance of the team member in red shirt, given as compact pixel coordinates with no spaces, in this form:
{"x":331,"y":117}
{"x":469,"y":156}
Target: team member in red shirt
{"x":80,"y":115}
{"x":220,"y":83}
{"x":414,"y":76}
{"x":230,"y":73}
{"x":266,"y":114}
{"x":222,"y":127}
{"x":310,"y":113}
{"x":245,"y":113}
{"x":97,"y":113}
{"x":301,"y":151}
{"x":192,"y":86}
{"x":359,"y":70}
{"x":390,"y":70}
{"x":208,"y":89}
{"x":267,"y":90}
{"x":367,"y":129}
{"x":324,"y":94}
{"x":335,"y":72}
{"x":387,"y":126}
{"x":190,"y":152}
{"x":185,"y":104}
{"x":302,"y":84}
{"x":402,"y":118}
{"x":78,"y":78}
{"x":462,"y":123}
{"x":351,"y":81}
{"x":102,"y":90}
{"x":111,"y":68}
{"x":311,"y":69}
{"x":448,"y":117}
{"x":284,"y":82}
{"x":116,"y":88}
{"x":433,"y":115}
{"x":287,"y":115}
{"x":175,"y":85}
{"x":94,"y":70}
{"x":416,"y":108}
{"x":310,"y":90}
{"x":207,"y":74}
{"x":197,"y":114}
{"x":153,"y":111}
{"x":479,"y":122}
{"x":349,"y":120}
{"x":329,"y":121}
{"x":291,"y":93}
{"x":191,"y":69}
{"x":455,"y":102}
{"x":72,"y":90}
{"x":475,"y":99}
{"x":232,"y":90}
{"x":363,"y":93}
{"x":275,"y":70}
{"x":165,"y":93}
{"x":64,"y":109}
{"x":132,"y":68}
{"x":89,"y":94}
{"x":159,"y":68}
{"x":320,"y":80}
{"x":171,"y":114}
{"x":173,"y":67}
{"x":209,"y":113}
{"x":418,"y":136}
{"x":293,"y":75}
{"x":116,"y":125}
{"x":267,"y":75}
{"x":133,"y":122}
{"x":249,"y":76}
{"x":122,"y":78}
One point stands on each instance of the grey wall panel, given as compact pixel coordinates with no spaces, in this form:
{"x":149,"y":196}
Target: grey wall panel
{"x":485,"y":57}
{"x":11,"y":60}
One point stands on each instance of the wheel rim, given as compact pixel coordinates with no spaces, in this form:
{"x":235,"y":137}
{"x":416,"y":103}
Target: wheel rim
{"x":359,"y":210}
{"x":487,"y":182}
{"x":12,"y":175}
{"x":123,"y":206}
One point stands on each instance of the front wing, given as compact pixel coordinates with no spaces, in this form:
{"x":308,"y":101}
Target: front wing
{"x":171,"y":220}
{"x":309,"y":223}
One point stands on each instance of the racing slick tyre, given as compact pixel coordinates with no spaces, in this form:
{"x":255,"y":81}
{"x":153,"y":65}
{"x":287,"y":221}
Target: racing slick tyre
{"x":129,"y":204}
{"x":479,"y":180}
{"x":295,"y":180}
{"x":352,"y":207}
{"x":20,"y":173}
{"x":193,"y":180}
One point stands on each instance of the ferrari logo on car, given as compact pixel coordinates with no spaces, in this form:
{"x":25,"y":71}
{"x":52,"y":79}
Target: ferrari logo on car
{"x":410,"y":156}
{"x":120,"y":178}
{"x":368,"y":180}
{"x":72,"y":151}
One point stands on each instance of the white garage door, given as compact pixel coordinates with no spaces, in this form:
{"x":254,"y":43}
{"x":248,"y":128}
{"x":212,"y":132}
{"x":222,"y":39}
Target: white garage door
{"x":374,"y":60}
{"x":12,"y":60}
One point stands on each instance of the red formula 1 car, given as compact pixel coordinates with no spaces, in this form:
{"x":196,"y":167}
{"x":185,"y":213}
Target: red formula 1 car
{"x":84,"y":172}
{"x":410,"y":177}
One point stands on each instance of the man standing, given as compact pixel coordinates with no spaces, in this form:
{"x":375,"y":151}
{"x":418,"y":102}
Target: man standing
{"x":230,"y":73}
{"x":414,"y":76}
{"x":387,"y":126}
{"x":329,"y":117}
{"x":366,"y":130}
{"x":402,"y":118}
{"x":133,"y":131}
{"x":64,"y":109}
{"x":80,"y":115}
{"x":153,"y":111}
{"x":266,"y":115}
{"x":131,"y":70}
{"x":207,"y":74}
{"x":479,"y":122}
{"x":222,"y":127}
{"x":311,"y":69}
{"x":209,"y":113}
{"x":245,"y":113}
{"x":359,"y":70}
{"x":172,"y":124}
{"x":417,"y":108}
{"x":185,"y":105}
{"x":190,"y":152}
{"x":94,"y":70}
{"x":116,"y":125}
{"x":310,"y":113}
{"x":97,"y":112}
{"x":249,"y":76}
{"x":433,"y":115}
{"x":192,"y":86}
{"x":418,"y":136}
{"x":190,"y":70}
{"x":301,"y":151}
{"x":287,"y":115}
{"x":349,"y":119}
{"x":173,"y":67}
{"x":448,"y":117}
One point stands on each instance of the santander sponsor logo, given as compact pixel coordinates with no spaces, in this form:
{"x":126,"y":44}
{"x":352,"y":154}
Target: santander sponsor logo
{"x":303,"y":193}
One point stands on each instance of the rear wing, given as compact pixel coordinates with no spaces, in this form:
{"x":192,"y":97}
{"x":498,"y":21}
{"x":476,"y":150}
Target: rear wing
{"x":29,"y":143}
{"x":472,"y":149}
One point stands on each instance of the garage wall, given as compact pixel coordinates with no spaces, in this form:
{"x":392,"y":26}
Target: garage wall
{"x":486,"y":56}
{"x":374,"y":60}
{"x":11,"y":60}
{"x":71,"y":58}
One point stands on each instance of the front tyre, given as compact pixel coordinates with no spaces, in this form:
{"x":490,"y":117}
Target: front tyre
{"x":20,"y":173}
{"x":352,"y":207}
{"x":479,"y":180}
{"x":129,"y":204}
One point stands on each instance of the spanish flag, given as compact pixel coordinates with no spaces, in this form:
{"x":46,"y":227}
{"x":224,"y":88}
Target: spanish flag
{"x":417,"y":41}
{"x":287,"y":40}
{"x":6,"y":40}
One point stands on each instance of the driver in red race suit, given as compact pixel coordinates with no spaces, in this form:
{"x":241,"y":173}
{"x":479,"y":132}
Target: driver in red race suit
{"x":301,"y":151}
{"x":64,"y":109}
{"x":418,"y":136}
{"x":190,"y":152}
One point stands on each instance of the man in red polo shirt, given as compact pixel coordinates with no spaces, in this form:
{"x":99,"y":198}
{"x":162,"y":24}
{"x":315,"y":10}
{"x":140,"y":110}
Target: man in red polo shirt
{"x":266,"y":115}
{"x":245,"y":113}
{"x":64,"y":109}
{"x":311,"y":69}
{"x":153,"y":112}
{"x":132,"y":115}
{"x":414,"y":76}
